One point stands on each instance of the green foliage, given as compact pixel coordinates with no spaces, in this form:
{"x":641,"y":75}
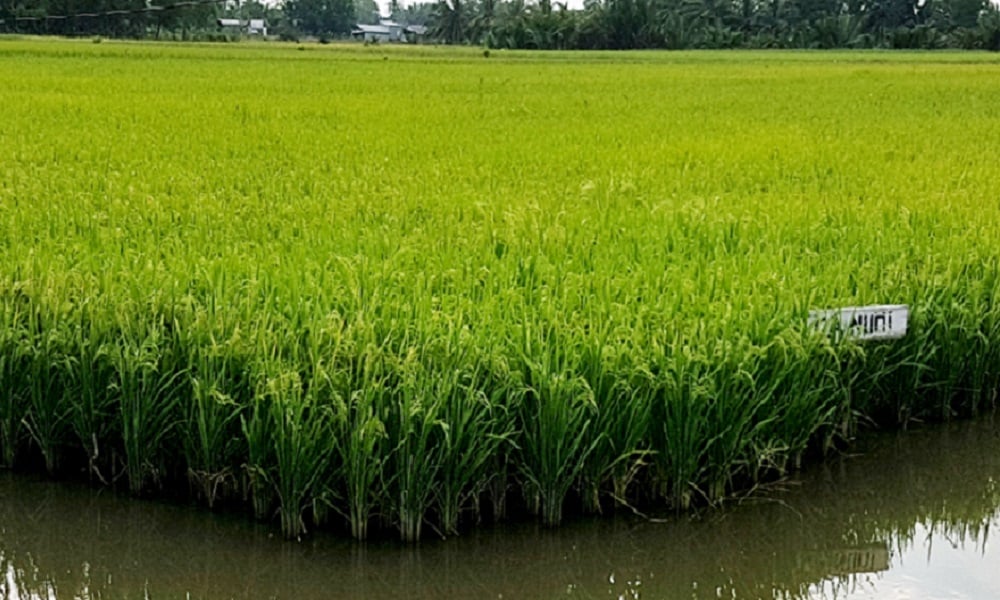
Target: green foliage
{"x":266,"y":282}
{"x":680,"y":24}
{"x":15,"y":349}
{"x":300,"y":425}
{"x":362,"y":444}
{"x":147,"y":387}
{"x":322,"y":17}
{"x":219,"y":394}
{"x":556,"y":423}
{"x":87,"y":379}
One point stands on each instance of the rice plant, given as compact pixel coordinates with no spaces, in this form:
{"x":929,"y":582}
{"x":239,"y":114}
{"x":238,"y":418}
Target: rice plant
{"x":556,"y":417}
{"x":300,"y":426}
{"x":623,"y":394}
{"x":47,"y":414}
{"x":14,"y":355}
{"x":148,"y":387}
{"x":219,"y":395}
{"x":87,"y":378}
{"x":362,"y":448}
{"x":476,"y":429}
{"x":256,"y":425}
{"x":414,"y":432}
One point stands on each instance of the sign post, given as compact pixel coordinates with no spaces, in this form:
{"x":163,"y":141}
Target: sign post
{"x":879,"y":322}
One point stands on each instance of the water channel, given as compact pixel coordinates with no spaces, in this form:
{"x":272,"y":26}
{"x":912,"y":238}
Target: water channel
{"x":909,"y":515}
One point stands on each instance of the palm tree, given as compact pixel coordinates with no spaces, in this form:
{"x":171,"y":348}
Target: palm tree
{"x":481,"y":24}
{"x":449,"y":25}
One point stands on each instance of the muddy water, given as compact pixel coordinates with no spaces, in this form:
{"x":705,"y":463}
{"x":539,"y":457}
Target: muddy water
{"x":910,"y":516}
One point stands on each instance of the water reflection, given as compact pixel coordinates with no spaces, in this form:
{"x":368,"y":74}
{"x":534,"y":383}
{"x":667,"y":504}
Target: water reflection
{"x":910,"y":517}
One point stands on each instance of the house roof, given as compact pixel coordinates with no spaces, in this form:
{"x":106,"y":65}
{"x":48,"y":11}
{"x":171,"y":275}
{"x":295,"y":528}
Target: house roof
{"x":386,"y":27}
{"x":383,"y":29}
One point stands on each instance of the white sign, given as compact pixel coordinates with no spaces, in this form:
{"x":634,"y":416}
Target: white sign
{"x":880,"y":322}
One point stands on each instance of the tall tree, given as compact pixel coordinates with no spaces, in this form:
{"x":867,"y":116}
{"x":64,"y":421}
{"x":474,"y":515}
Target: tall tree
{"x":321,"y":17}
{"x":965,"y":13}
{"x":450,"y":20}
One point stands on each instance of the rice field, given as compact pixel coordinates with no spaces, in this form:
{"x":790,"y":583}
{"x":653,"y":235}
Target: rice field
{"x":408,"y":290}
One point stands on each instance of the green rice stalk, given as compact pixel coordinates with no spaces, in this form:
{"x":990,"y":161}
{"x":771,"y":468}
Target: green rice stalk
{"x":148,"y":387}
{"x":256,"y":423}
{"x":302,"y":439}
{"x":679,"y":434}
{"x":741,"y":410}
{"x":623,"y":403}
{"x":499,"y":483}
{"x":46,"y":419}
{"x":415,"y":431}
{"x":14,"y":363}
{"x":362,"y":454}
{"x":476,"y":426}
{"x":798,"y":379}
{"x":211,"y":439}
{"x":88,"y":376}
{"x":362,"y":444}
{"x":557,"y":414}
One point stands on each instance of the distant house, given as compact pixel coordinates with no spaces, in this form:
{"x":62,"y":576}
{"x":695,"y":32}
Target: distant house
{"x":257,"y":27}
{"x":388,"y":31}
{"x":251,"y":27}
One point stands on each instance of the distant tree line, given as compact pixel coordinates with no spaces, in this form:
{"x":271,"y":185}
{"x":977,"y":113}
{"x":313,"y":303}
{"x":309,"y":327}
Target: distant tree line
{"x":679,"y":24}
{"x":182,"y":19}
{"x":544,"y":24}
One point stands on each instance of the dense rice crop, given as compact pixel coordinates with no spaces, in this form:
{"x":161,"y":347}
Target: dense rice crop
{"x":407,"y":288}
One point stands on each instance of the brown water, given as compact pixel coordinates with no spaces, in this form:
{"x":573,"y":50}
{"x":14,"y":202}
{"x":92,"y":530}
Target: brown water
{"x":910,"y":517}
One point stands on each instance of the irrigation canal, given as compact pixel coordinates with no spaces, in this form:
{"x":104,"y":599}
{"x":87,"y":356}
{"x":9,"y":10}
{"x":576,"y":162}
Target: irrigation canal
{"x":912,"y":515}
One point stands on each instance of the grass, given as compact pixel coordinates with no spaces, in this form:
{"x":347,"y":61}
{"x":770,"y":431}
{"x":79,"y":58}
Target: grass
{"x":406,"y":289}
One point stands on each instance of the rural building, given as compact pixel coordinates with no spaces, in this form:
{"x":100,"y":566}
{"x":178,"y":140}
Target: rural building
{"x":388,"y":31}
{"x":252,"y":27}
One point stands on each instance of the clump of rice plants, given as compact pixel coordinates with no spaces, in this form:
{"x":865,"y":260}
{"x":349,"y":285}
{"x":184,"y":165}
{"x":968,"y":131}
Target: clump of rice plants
{"x":219,"y":393}
{"x":87,"y":374}
{"x":148,"y":387}
{"x":14,"y":354}
{"x":302,"y":444}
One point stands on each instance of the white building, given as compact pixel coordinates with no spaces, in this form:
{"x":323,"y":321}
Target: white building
{"x":252,"y":27}
{"x":387,"y":31}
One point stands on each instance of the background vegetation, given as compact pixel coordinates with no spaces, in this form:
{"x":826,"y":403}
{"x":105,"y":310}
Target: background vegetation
{"x":397,"y":288}
{"x":544,"y":24}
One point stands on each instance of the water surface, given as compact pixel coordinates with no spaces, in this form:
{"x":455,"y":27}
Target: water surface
{"x":907,"y":516}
